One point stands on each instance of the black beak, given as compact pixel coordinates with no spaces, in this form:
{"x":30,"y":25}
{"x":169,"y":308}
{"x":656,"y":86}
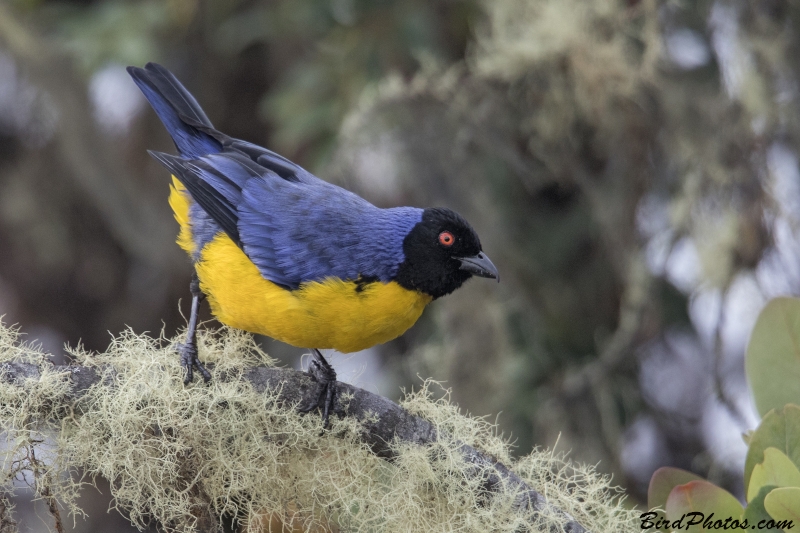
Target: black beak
{"x":479,"y":265}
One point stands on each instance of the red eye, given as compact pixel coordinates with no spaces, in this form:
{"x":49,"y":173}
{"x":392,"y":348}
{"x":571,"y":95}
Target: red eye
{"x":446,"y":238}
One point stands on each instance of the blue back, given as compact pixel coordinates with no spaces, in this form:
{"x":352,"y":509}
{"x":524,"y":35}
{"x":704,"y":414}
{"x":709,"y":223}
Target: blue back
{"x":295,"y":232}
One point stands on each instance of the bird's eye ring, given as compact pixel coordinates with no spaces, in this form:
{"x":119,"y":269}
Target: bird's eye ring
{"x":446,"y":238}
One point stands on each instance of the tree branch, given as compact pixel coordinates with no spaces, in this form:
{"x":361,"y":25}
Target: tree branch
{"x":382,"y":420}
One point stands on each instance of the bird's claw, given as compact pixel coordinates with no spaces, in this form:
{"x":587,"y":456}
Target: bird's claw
{"x":190,"y":361}
{"x":324,"y":395}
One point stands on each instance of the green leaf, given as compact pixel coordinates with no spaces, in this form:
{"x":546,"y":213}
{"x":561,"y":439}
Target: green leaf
{"x":777,"y":470}
{"x":701,"y":497}
{"x":772,"y":361}
{"x":662,"y":482}
{"x":784,"y":504}
{"x":779,"y":429}
{"x":755,"y":511}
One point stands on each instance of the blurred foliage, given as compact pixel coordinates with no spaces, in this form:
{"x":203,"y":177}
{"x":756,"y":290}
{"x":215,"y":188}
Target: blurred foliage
{"x":630,"y":166}
{"x":125,"y":32}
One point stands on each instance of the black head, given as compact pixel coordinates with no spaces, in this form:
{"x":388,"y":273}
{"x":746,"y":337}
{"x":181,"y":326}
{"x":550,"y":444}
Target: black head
{"x":442,"y":252}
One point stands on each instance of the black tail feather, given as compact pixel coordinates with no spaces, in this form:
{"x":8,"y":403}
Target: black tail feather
{"x":181,"y":99}
{"x":177,"y":109}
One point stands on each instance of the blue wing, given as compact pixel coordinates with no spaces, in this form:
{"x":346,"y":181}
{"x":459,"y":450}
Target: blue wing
{"x":295,"y":230}
{"x":295,"y":227}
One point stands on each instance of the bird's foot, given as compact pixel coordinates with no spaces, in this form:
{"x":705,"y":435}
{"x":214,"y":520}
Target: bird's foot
{"x":190,"y":361}
{"x":324,"y":377}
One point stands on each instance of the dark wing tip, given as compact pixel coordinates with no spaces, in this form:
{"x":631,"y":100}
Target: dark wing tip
{"x":160,"y":156}
{"x":169,"y":161}
{"x":205,"y":194}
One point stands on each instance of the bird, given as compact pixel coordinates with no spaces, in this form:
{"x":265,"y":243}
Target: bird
{"x":280,"y":252}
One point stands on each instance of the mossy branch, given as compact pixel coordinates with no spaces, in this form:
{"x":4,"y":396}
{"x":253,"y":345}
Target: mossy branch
{"x":383,"y":422}
{"x":186,"y":456}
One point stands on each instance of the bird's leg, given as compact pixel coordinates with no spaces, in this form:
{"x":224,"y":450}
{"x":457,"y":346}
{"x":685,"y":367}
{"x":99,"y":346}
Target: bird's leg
{"x":188,"y":350}
{"x":324,"y":377}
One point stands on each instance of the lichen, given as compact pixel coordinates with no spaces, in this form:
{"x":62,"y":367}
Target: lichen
{"x":173,"y":451}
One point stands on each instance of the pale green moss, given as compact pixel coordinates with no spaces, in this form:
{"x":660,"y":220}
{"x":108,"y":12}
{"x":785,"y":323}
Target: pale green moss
{"x":164,"y":445}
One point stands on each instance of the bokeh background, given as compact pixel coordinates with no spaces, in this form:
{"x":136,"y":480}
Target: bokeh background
{"x":630,"y":165}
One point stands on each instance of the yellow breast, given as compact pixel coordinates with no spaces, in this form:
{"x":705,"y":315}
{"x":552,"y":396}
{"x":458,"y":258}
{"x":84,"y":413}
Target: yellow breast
{"x":328,"y":314}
